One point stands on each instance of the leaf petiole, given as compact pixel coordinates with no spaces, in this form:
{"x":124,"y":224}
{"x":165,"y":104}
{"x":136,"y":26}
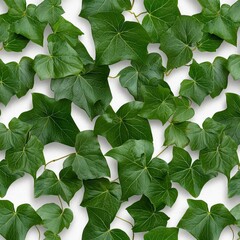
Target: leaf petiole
{"x":114,"y":76}
{"x":61,"y":204}
{"x":56,"y":160}
{"x":124,"y":220}
{"x":162,"y":152}
{"x":39,"y":233}
{"x":232,"y":232}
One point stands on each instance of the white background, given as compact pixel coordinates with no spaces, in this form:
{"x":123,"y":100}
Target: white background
{"x":215,"y":191}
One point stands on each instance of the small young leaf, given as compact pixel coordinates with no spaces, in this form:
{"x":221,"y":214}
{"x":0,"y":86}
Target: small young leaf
{"x":54,"y":218}
{"x":123,"y":125}
{"x":236,"y":213}
{"x":233,"y":66}
{"x":233,"y":185}
{"x":203,"y":223}
{"x":51,"y":236}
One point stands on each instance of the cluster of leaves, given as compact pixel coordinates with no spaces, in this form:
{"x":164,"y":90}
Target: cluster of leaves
{"x":77,"y":78}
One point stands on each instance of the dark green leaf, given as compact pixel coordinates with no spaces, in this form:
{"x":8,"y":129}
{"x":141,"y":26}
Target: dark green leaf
{"x":123,"y":125}
{"x":234,"y":65}
{"x":146,"y":217}
{"x":89,"y":90}
{"x":116,"y":40}
{"x":209,"y":43}
{"x":51,"y":120}
{"x":189,"y":175}
{"x":66,"y":185}
{"x":162,"y":233}
{"x":51,"y":236}
{"x":15,"y":43}
{"x":4,"y":29}
{"x":15,"y":224}
{"x":203,"y":223}
{"x":88,"y":162}
{"x":54,"y":218}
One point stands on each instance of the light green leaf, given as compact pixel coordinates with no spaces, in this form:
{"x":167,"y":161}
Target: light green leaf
{"x":116,"y":40}
{"x":234,"y":12}
{"x":236,"y":213}
{"x":51,"y":236}
{"x":15,"y":43}
{"x":88,"y":162}
{"x":233,"y":66}
{"x":162,"y":233}
{"x":233,"y":185}
{"x":51,"y":120}
{"x":123,"y":125}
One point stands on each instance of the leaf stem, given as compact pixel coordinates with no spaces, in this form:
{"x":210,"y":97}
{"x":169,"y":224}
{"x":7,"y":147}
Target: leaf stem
{"x":162,"y":151}
{"x":133,"y":2}
{"x":39,"y":233}
{"x":61,"y":204}
{"x":232,"y":232}
{"x":124,"y":220}
{"x":133,"y":13}
{"x":55,"y":160}
{"x":114,"y":76}
{"x":169,"y":72}
{"x":115,"y":179}
{"x":138,"y":15}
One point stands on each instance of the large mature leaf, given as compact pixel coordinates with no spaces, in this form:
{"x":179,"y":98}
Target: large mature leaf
{"x":63,"y":60}
{"x":16,"y":133}
{"x":49,"y":11}
{"x":233,"y":185}
{"x":162,"y":233}
{"x":116,"y":40}
{"x":200,"y":86}
{"x":230,"y":117}
{"x":98,"y":227}
{"x":54,"y":218}
{"x":16,"y":5}
{"x":14,"y":224}
{"x":92,"y":7}
{"x":138,"y":174}
{"x":26,"y":156}
{"x":24,"y":74}
{"x":29,"y":26}
{"x":161,"y":15}
{"x":234,"y":65}
{"x":89,"y":90}
{"x":7,"y":177}
{"x":146,"y":217}
{"x":149,"y":73}
{"x":88,"y":162}
{"x":220,"y":156}
{"x":201,"y":138}
{"x":179,"y":39}
{"x":123,"y":125}
{"x":65,"y":186}
{"x":189,"y":175}
{"x":8,"y":83}
{"x":51,"y":120}
{"x":158,"y":103}
{"x":203,"y":223}
{"x":102,"y":194}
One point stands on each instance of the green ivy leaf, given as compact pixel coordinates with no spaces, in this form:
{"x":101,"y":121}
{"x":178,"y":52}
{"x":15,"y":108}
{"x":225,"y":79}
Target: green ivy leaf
{"x":220,"y":156}
{"x":15,"y":43}
{"x":179,"y":39}
{"x":4,"y":29}
{"x":162,"y":233}
{"x":51,"y":120}
{"x":17,"y":133}
{"x":116,"y":40}
{"x":89,"y":90}
{"x":54,"y":218}
{"x":189,"y":175}
{"x":16,"y":5}
{"x":203,"y":223}
{"x":26,"y":156}
{"x":158,"y":103}
{"x":8,"y":83}
{"x":66,"y":31}
{"x":123,"y":125}
{"x":230,"y":117}
{"x":233,"y":66}
{"x":88,"y":162}
{"x":92,"y":7}
{"x":236,"y":213}
{"x":234,"y":12}
{"x":16,"y":223}
{"x":141,"y":74}
{"x":29,"y":26}
{"x":200,"y":86}
{"x":24,"y":73}
{"x":175,"y":134}
{"x":233,"y":185}
{"x":63,"y":60}
{"x":49,"y":11}
{"x":7,"y":177}
{"x":51,"y":236}
{"x":161,"y":15}
{"x":146,"y":217}
{"x":102,"y":194}
{"x":201,"y":138}
{"x":66,"y":185}
{"x":98,"y":227}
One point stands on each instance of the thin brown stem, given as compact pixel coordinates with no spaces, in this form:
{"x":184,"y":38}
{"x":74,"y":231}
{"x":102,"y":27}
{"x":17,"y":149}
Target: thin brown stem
{"x":162,"y":152}
{"x":39,"y":233}
{"x":138,"y":15}
{"x":133,"y":13}
{"x":169,"y":72}
{"x":115,"y":179}
{"x":133,"y":2}
{"x":56,"y":160}
{"x":232,"y":232}
{"x":124,"y":220}
{"x":60,"y":200}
